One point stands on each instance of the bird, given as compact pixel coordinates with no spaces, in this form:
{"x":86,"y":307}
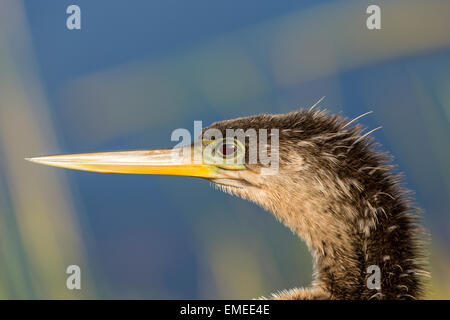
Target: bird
{"x":333,"y":186}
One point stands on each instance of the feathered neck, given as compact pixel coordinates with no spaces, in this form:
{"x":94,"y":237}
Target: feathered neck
{"x":355,"y":222}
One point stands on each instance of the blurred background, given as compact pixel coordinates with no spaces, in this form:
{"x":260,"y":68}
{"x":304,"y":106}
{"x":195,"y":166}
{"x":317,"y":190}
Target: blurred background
{"x":136,"y":71}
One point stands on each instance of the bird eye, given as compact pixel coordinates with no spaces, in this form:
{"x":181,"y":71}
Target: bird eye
{"x":228,"y":149}
{"x":225,"y":152}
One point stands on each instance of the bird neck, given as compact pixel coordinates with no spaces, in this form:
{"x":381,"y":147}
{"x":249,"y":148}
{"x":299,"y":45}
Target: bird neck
{"x":362,"y":249}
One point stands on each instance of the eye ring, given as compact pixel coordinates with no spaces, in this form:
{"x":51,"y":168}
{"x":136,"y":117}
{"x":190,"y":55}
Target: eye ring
{"x":230,"y":150}
{"x":225,"y":152}
{"x":226,"y":149}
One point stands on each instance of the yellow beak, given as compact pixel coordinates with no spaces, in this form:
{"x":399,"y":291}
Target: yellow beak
{"x":178,"y":161}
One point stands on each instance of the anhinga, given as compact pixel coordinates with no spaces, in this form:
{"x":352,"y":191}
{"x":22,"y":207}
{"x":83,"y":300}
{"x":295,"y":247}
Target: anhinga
{"x":332,"y":187}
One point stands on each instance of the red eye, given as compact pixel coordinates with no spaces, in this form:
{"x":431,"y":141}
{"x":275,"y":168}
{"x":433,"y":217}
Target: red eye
{"x":228,"y":149}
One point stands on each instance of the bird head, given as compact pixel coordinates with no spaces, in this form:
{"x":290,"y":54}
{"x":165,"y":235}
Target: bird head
{"x":306,"y":162}
{"x":264,"y":158}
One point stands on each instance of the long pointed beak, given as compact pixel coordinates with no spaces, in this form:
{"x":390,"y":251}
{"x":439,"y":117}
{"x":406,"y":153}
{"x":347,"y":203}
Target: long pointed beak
{"x":179,"y":161}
